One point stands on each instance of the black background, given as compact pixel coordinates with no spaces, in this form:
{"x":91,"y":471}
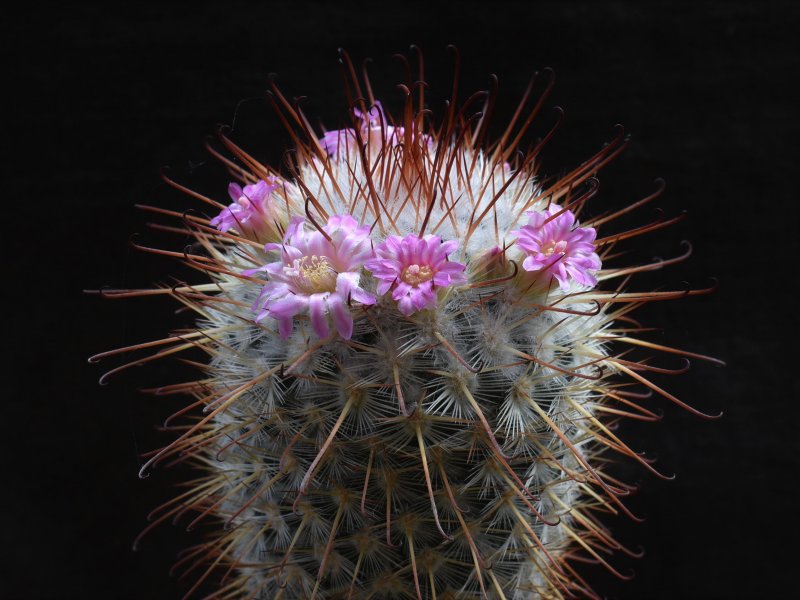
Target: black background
{"x":101,"y":98}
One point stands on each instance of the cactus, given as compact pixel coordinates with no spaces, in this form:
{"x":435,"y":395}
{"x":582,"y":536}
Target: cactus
{"x":416,"y":358}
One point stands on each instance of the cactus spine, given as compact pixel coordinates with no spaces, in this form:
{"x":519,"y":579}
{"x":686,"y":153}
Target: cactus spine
{"x":448,"y":441}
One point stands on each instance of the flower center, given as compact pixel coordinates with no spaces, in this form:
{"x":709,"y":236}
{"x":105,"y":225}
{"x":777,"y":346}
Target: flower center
{"x":416,"y":274}
{"x":553,"y":247}
{"x":315,"y":274}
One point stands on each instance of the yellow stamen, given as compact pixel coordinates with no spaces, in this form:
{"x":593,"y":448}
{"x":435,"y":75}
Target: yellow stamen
{"x":416,"y":274}
{"x":315,"y":274}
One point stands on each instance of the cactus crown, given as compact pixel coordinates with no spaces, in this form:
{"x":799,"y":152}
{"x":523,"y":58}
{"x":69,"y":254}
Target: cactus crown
{"x":415,"y":362}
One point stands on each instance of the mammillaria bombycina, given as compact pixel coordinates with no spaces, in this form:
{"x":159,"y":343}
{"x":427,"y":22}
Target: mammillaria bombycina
{"x":417,"y":356}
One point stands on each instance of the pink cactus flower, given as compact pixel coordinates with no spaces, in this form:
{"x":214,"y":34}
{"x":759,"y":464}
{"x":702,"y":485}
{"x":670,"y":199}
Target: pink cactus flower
{"x":252,"y":209}
{"x":415,"y":267}
{"x":553,"y":244}
{"x":373,"y":128}
{"x":316,"y":275}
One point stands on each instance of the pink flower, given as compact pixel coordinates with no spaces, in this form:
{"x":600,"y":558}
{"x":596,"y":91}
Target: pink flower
{"x":374,"y":128}
{"x":252,"y":209}
{"x":415,"y":267}
{"x":316,"y":276}
{"x":553,"y":244}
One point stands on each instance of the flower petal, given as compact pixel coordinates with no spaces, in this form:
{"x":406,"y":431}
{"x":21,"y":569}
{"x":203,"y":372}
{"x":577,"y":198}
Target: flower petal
{"x":235,"y":191}
{"x":342,"y":317}
{"x":405,"y":305}
{"x":287,"y":307}
{"x":318,"y":310}
{"x":285,"y":327}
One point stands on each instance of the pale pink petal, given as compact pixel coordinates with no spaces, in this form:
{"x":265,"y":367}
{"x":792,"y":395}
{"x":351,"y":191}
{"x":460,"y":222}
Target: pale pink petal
{"x":251,"y":272}
{"x":235,"y":191}
{"x":402,"y":289}
{"x":449,"y":247}
{"x":361,"y":296}
{"x":342,"y":318}
{"x":285,"y":327}
{"x":405,"y":306}
{"x":288,"y":306}
{"x":531,"y":264}
{"x":318,"y":311}
{"x":384,"y":285}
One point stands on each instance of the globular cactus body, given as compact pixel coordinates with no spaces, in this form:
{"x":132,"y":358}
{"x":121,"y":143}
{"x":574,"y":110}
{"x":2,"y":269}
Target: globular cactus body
{"x":411,"y":379}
